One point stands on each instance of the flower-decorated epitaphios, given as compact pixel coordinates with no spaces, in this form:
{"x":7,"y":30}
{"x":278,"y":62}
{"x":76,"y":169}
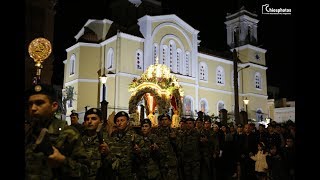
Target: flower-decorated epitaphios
{"x":160,"y":83}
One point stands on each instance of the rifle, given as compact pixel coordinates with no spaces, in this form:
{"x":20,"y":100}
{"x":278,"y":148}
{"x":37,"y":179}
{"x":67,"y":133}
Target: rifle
{"x":105,"y":170}
{"x":43,"y":143}
{"x":28,"y":129}
{"x":100,"y":133}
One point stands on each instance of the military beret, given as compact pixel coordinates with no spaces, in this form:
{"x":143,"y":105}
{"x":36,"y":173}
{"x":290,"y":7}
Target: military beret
{"x":42,"y":89}
{"x":74,"y":114}
{"x":183,"y":119}
{"x":119,"y":114}
{"x":207,"y":120}
{"x":146,"y":121}
{"x":93,"y":111}
{"x":162,"y":116}
{"x":190,"y":119}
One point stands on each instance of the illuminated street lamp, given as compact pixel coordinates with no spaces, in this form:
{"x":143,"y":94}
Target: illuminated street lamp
{"x":103,"y":80}
{"x":246,"y":102}
{"x":104,"y":103}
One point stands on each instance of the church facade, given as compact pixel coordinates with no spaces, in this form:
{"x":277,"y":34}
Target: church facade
{"x":206,"y":78}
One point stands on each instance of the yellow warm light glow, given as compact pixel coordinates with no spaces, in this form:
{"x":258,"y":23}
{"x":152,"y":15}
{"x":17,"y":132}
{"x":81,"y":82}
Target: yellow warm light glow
{"x":103,"y":79}
{"x":246,"y":101}
{"x":158,"y":77}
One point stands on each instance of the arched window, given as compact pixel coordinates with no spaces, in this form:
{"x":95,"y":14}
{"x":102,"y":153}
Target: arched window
{"x":110,"y":59}
{"x":155,"y":53}
{"x":179,"y":61}
{"x":139,"y":59}
{"x":164,"y":54}
{"x":188,"y":106}
{"x":187,"y":64}
{"x":172,"y":55}
{"x":257,"y":80}
{"x":220,"y":80}
{"x":203,"y":71}
{"x":204,"y":105}
{"x":72,"y":64}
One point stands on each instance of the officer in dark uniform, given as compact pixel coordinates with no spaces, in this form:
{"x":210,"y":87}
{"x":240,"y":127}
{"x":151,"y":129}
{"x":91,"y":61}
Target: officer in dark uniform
{"x":53,"y":150}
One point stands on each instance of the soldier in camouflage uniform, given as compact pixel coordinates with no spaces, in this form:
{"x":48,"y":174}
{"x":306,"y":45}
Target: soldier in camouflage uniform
{"x":123,"y":148}
{"x":180,"y":133}
{"x":149,"y":158}
{"x":59,"y":153}
{"x":189,"y":145}
{"x":90,"y":138}
{"x":207,"y":149}
{"x":199,"y":124}
{"x":167,"y":140}
{"x":74,"y":118}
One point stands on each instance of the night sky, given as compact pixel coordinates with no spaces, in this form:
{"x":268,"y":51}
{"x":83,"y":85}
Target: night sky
{"x":276,"y":32}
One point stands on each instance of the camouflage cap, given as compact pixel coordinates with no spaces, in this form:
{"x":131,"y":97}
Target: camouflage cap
{"x":45,"y":89}
{"x":119,"y":114}
{"x":146,"y":121}
{"x":93,"y":111}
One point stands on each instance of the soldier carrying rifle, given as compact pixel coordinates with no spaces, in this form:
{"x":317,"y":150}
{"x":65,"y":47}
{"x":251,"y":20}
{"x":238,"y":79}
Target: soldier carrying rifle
{"x":53,"y":150}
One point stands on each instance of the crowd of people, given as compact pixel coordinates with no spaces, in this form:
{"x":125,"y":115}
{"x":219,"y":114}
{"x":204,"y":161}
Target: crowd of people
{"x":196,"y":149}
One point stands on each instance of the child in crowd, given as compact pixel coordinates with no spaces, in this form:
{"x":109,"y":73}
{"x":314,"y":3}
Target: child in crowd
{"x":261,"y":166}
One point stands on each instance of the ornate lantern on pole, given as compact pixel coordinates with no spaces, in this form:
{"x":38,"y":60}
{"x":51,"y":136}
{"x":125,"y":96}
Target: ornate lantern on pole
{"x":39,"y":49}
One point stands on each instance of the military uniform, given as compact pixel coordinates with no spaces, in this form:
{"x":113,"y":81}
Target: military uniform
{"x":207,"y":149}
{"x":149,"y":159}
{"x":91,"y":144}
{"x":55,"y":133}
{"x":67,"y":140}
{"x":169,"y":162}
{"x":189,"y":147}
{"x":121,"y":144}
{"x":149,"y":166}
{"x":121,"y":152}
